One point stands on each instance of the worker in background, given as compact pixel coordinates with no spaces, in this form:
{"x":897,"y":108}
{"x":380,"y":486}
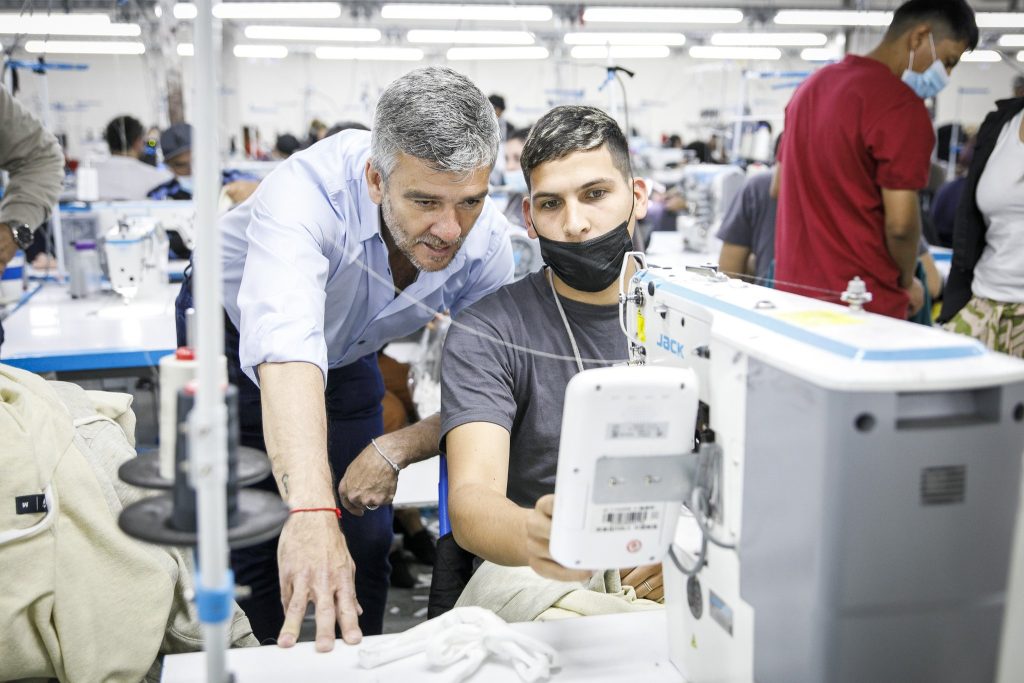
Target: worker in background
{"x":176,"y":144}
{"x":355,"y":242}
{"x":508,"y":358}
{"x":124,"y":175}
{"x":35,"y":164}
{"x":498,"y":102}
{"x":1018,"y":86}
{"x":286,"y":145}
{"x":857,"y":150}
{"x":748,"y":231}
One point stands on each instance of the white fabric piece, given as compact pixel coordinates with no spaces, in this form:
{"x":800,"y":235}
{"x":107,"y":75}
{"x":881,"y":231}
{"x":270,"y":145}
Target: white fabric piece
{"x":465,"y":637}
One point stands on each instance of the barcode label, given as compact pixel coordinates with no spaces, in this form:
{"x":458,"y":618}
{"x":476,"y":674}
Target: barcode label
{"x":636,"y":518}
{"x":631,"y":517}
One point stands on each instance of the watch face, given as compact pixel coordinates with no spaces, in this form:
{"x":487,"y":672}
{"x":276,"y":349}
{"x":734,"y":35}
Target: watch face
{"x":22,"y":235}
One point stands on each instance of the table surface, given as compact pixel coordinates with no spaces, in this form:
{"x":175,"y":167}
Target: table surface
{"x":51,"y":332}
{"x":618,"y":647}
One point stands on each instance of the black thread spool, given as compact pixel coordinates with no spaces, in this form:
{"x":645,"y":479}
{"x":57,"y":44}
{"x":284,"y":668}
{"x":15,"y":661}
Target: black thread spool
{"x":183,"y":516}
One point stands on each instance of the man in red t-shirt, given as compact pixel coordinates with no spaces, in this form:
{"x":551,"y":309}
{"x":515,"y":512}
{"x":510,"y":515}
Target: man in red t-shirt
{"x":856,"y":151}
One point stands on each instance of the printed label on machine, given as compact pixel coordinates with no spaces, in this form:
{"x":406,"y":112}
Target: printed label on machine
{"x":637,"y":430}
{"x":631,"y":518}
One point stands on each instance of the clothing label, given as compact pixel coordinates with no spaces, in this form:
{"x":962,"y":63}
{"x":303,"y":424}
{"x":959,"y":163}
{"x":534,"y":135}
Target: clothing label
{"x":632,"y":518}
{"x":28,"y":505}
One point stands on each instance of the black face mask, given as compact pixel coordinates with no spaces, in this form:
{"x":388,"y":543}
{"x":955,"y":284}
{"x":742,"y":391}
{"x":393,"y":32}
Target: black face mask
{"x":590,"y":266}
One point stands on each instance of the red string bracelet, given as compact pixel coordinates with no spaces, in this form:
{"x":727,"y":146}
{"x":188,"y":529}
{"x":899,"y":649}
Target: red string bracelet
{"x":336,"y":511}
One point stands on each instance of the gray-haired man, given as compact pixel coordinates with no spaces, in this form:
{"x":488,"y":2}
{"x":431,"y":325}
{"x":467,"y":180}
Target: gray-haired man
{"x":350,"y":244}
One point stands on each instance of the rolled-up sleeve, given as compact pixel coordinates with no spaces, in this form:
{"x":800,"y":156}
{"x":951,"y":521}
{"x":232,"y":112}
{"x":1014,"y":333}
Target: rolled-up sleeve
{"x":282,"y":296}
{"x":35,"y":162}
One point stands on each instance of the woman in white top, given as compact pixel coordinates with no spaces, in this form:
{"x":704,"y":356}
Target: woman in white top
{"x":985,"y":295}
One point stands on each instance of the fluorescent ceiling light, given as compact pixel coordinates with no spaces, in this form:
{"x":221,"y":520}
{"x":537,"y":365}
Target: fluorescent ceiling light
{"x":621,"y":51}
{"x":769,"y":39}
{"x":625,"y":39}
{"x":820,"y":54}
{"x":468,"y":12}
{"x":1000,"y":19}
{"x":832,"y":17}
{"x":93,"y":19}
{"x":60,"y":26}
{"x":261,"y":51}
{"x":313,"y":33}
{"x":85,"y":47}
{"x":662,"y":15}
{"x":1012,"y":40}
{"x":981,"y":56}
{"x":264,"y":10}
{"x":377,"y":54}
{"x":185,"y":10}
{"x":186,"y":50}
{"x":1020,"y":56}
{"x":459,"y":54}
{"x":716,"y":52}
{"x":473,"y":37}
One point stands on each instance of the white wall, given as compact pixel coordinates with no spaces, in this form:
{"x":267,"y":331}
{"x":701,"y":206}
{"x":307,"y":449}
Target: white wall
{"x":278,"y":96}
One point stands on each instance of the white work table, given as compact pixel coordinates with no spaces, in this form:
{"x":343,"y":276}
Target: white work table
{"x":51,"y":332}
{"x":620,"y":647}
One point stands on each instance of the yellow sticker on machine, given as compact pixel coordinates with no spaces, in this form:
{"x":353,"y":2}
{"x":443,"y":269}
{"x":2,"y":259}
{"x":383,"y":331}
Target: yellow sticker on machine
{"x":641,"y":328}
{"x":821,"y":318}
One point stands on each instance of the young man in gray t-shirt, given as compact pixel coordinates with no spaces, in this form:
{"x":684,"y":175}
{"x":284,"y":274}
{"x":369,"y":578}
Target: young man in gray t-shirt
{"x":508,"y":358}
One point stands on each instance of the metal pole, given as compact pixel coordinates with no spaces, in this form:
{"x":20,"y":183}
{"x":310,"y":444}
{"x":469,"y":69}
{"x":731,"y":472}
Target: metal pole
{"x":208,"y":431}
{"x":737,"y":130}
{"x":55,"y":223}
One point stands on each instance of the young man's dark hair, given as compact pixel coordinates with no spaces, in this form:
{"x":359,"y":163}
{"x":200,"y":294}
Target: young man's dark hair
{"x":497,"y":101}
{"x":122,"y":134}
{"x":570,"y":128}
{"x":948,"y":18}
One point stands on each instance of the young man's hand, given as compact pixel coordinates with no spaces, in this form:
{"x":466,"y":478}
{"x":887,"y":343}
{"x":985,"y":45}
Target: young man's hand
{"x":7,"y":245}
{"x":916,"y":294}
{"x":647,"y":581}
{"x":538,"y":544}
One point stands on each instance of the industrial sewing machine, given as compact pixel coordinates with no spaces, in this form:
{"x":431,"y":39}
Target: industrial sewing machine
{"x":851,"y":487}
{"x":133,"y":240}
{"x":709,"y":189}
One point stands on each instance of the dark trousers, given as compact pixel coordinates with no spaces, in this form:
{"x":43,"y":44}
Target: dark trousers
{"x":354,"y":416}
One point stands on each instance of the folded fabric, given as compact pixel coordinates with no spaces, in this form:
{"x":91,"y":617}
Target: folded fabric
{"x":82,"y":601}
{"x":464,"y":638}
{"x":520,"y":594}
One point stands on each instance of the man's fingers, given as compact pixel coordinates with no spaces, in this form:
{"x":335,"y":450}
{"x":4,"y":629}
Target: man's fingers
{"x":293,"y":616}
{"x":546,"y":504}
{"x":324,"y":619}
{"x":348,"y":611}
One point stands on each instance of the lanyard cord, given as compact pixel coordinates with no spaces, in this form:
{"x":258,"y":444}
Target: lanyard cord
{"x":565,"y":321}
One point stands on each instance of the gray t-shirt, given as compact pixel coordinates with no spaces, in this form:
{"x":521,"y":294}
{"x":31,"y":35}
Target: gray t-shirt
{"x":507,"y":360}
{"x":750,"y":222}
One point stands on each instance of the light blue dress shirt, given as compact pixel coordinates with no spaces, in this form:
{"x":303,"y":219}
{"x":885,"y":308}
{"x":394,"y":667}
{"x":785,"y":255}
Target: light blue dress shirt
{"x":306,"y":275}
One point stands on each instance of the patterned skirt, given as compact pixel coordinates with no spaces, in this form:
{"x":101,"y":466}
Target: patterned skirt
{"x":997,"y":325}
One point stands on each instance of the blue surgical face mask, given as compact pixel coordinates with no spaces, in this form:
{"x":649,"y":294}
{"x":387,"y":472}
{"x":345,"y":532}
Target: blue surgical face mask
{"x":929,"y":82}
{"x":185,"y":183}
{"x":515,"y":182}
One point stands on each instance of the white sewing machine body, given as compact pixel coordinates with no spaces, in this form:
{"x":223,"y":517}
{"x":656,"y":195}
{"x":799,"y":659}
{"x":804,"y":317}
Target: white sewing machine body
{"x":869,"y":480}
{"x":136,"y":249}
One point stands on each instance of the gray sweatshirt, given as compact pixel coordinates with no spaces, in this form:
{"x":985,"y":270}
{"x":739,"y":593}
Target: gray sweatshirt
{"x":32,"y":157}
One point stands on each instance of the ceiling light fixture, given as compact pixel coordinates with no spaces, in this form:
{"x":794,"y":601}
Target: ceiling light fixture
{"x":625,"y":39}
{"x":468,"y":12}
{"x":662,"y":15}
